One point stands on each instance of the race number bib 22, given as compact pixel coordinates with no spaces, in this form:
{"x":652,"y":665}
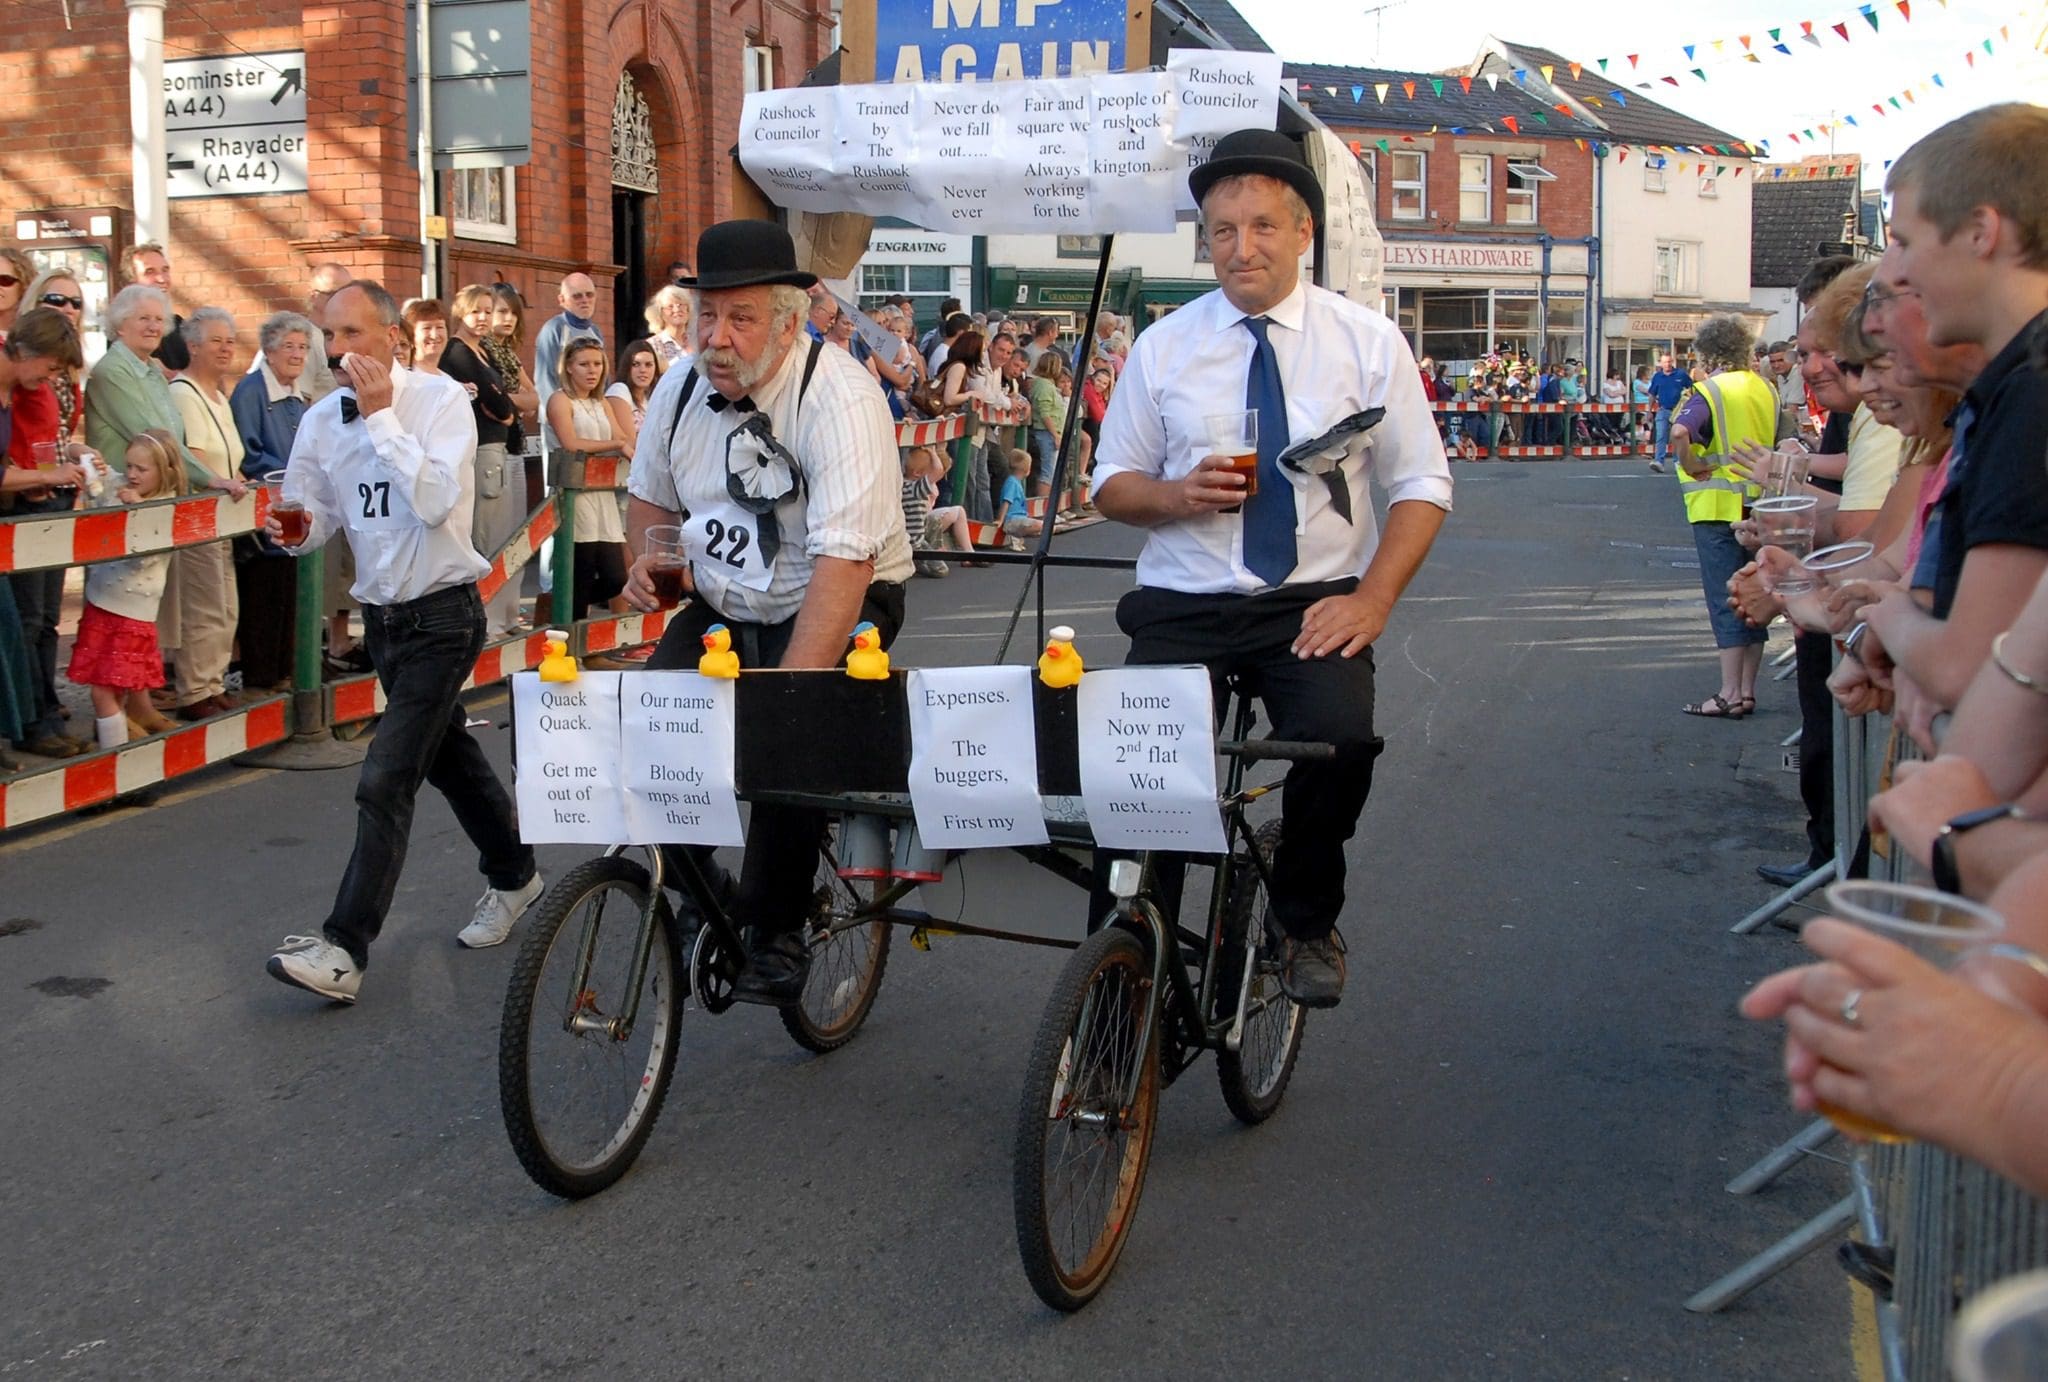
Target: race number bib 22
{"x":722,"y":538}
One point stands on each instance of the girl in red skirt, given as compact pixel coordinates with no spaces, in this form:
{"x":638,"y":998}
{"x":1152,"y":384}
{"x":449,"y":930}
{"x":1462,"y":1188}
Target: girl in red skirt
{"x":116,"y":652}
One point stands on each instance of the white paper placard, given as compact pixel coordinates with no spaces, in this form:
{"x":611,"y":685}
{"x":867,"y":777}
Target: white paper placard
{"x":974,"y":758}
{"x":1217,"y":92}
{"x":962,"y":174}
{"x":878,"y":140}
{"x":677,"y":759}
{"x":1129,"y":158}
{"x":790,"y":145}
{"x":567,"y":766}
{"x":1148,"y":759}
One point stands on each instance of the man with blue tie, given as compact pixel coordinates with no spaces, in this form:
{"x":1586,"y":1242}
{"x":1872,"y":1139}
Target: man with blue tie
{"x":1288,"y":592}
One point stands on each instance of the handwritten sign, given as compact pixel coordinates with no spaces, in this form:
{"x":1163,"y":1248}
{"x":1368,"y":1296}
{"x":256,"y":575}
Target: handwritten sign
{"x":1148,"y":760}
{"x":567,"y":767}
{"x":974,"y":758}
{"x":1086,"y":154}
{"x":676,"y":755}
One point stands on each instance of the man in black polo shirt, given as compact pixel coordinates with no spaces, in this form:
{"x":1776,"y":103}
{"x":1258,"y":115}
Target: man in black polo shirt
{"x":1969,"y":235}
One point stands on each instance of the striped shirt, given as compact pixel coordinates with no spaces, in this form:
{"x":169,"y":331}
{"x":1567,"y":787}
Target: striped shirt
{"x":848,"y":506}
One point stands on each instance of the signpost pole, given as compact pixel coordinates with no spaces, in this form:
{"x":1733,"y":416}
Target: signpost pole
{"x":430,"y":275}
{"x":147,"y":152}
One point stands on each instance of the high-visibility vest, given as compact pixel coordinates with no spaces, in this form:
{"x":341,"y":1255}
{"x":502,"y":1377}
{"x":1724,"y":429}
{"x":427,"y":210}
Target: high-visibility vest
{"x":1744,"y":409}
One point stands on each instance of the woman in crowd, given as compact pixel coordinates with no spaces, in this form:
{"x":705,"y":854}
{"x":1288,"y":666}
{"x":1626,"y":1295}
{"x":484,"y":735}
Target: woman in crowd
{"x":1095,"y":401}
{"x":903,"y":369}
{"x":208,"y":604}
{"x":1048,"y":417}
{"x":268,"y":403}
{"x":425,"y":327}
{"x":958,"y":378}
{"x":577,"y":417}
{"x":668,"y":324}
{"x":15,"y":275}
{"x":639,"y":367}
{"x":500,"y":490}
{"x":504,"y":347}
{"x":52,"y":412}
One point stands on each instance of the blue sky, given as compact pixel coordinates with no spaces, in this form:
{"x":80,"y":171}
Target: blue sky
{"x":1753,"y":100}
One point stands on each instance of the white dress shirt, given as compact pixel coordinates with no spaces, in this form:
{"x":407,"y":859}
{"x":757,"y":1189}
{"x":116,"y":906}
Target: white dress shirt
{"x":401,"y":483}
{"x":1336,"y":358}
{"x":850,"y":503}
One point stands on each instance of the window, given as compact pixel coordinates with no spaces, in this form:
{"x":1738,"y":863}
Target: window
{"x":927,"y":284}
{"x":757,"y":72}
{"x":1454,"y":324}
{"x":1678,"y":269}
{"x":1565,"y":331}
{"x":1653,"y":173}
{"x":483,"y":204}
{"x":1077,"y":247}
{"x":1523,"y":179}
{"x":1709,"y":186}
{"x":1475,"y":187}
{"x":1411,"y":197}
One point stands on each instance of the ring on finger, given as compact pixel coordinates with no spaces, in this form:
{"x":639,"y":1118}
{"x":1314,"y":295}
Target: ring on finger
{"x":1850,"y":1017}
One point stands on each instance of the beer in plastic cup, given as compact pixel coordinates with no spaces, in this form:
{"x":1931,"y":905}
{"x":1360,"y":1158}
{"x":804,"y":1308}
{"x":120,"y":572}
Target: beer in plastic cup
{"x":665,"y":546}
{"x":295,"y":525}
{"x":1235,"y":436}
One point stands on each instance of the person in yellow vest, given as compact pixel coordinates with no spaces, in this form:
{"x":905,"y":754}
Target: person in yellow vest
{"x":1729,"y":407}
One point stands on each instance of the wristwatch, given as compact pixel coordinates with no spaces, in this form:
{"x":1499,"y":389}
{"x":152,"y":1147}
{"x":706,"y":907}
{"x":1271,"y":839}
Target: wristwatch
{"x":1946,"y":876}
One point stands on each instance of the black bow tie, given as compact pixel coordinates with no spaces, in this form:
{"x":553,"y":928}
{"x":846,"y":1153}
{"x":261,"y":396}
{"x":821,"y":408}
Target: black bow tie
{"x":349,"y":411}
{"x":718,"y":403}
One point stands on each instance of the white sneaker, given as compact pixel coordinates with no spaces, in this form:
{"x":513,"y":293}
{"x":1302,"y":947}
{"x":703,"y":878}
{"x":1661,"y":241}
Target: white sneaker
{"x":317,"y":965}
{"x":496,"y":913}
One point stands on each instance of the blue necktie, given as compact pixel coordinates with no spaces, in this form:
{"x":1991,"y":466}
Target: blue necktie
{"x":1269,"y":514}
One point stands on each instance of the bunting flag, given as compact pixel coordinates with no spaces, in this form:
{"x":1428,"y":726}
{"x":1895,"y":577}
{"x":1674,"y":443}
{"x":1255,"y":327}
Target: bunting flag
{"x":1509,"y":121}
{"x":1738,"y":170}
{"x":1493,"y":81}
{"x":1438,"y":84}
{"x":1806,"y":28}
{"x":1357,"y":94}
{"x":1688,"y":52}
{"x":1564,"y":110}
{"x":1576,"y":69}
{"x":1580,"y":142}
{"x":1870,"y":13}
{"x":1381,"y":88}
{"x":1603,"y":64}
{"x":1521,"y":76}
{"x":1622,"y":157}
{"x":1783,"y":49}
{"x":1547,"y":69}
{"x":1775,"y":33}
{"x":1672,"y":80}
{"x":1383,"y":147}
{"x":1744,"y":39}
{"x":1843,"y":30}
{"x":1596,"y":102}
{"x":1697,"y":72}
{"x":1906,"y":10}
{"x":1466,"y":82}
{"x":1619,"y":97}
{"x":1631,"y":60}
{"x":1408,"y":89}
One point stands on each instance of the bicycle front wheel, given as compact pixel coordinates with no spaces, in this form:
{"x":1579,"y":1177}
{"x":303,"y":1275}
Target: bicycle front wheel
{"x":1084,"y":1130}
{"x":579,"y":1087}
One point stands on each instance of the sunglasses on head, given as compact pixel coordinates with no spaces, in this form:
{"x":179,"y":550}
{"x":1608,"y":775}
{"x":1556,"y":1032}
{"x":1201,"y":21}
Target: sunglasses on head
{"x":63,"y":300}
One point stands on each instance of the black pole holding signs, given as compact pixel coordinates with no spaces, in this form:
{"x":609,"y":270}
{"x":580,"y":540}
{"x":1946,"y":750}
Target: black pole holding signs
{"x":1036,"y":579}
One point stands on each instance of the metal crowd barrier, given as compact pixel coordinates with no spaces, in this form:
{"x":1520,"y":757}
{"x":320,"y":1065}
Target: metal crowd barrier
{"x":1540,"y":431}
{"x":1925,"y":1229}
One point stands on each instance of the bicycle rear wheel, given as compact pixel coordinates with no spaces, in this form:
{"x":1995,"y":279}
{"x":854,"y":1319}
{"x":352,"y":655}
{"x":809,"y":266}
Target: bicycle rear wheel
{"x":846,"y":964}
{"x":1254,"y":1077}
{"x":1081,"y":1150}
{"x":579,"y":1094}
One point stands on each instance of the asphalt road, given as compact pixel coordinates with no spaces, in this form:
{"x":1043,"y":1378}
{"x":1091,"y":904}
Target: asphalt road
{"x":1502,"y":1157}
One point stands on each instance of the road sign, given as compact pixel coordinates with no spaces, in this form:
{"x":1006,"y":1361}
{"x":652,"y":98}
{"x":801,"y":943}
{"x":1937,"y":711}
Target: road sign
{"x":235,"y":125}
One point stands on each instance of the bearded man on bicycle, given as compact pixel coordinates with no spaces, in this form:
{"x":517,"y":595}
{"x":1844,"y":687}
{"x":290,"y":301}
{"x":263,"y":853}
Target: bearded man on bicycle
{"x":777,"y":456}
{"x":1284,"y":585}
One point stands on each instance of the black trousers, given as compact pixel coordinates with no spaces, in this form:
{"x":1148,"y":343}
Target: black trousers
{"x":600,"y":574}
{"x":39,"y":597}
{"x":1815,"y":659}
{"x":781,"y":862}
{"x":424,"y":650}
{"x":267,"y":587}
{"x":1327,"y":700}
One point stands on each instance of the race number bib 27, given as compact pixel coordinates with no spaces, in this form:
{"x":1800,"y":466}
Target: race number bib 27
{"x":370,"y":502}
{"x":722,"y":538}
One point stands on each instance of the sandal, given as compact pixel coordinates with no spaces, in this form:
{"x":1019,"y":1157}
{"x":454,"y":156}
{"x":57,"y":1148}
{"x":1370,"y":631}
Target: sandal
{"x":1748,"y":705}
{"x":1716,"y":707}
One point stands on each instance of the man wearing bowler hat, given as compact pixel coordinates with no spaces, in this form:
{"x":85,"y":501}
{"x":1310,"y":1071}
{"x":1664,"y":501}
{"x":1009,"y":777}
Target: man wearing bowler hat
{"x":1290,"y":591}
{"x":777,"y":457}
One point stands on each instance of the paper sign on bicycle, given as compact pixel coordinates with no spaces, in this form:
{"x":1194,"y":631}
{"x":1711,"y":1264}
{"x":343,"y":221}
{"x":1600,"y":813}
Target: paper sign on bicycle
{"x":677,"y":756}
{"x":567,"y":768}
{"x":974,"y":758}
{"x":1148,"y":758}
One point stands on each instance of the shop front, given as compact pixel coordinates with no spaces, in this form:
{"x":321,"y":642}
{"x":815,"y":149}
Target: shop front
{"x":928,"y":265}
{"x":1459,"y":300}
{"x":1643,"y":336}
{"x":1062,"y":294}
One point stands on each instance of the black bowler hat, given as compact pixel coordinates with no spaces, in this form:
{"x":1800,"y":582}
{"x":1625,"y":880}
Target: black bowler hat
{"x":744,"y":254}
{"x":1267,"y":152}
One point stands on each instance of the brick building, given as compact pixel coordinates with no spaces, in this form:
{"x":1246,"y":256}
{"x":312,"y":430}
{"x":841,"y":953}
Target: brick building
{"x":635,"y":106}
{"x":1485,"y":200}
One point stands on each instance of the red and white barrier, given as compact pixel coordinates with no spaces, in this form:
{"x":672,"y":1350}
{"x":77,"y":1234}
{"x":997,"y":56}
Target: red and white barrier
{"x":362,"y":698}
{"x":42,"y":541}
{"x":100,"y":777}
{"x":520,"y":549}
{"x":1604,"y":451}
{"x":932,"y":433}
{"x":999,"y":417}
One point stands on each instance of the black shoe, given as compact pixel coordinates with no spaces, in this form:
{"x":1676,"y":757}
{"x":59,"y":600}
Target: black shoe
{"x":1312,"y":972}
{"x":775,"y":972}
{"x":1784,"y":875}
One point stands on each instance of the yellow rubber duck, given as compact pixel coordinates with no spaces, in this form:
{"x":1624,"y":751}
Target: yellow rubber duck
{"x":867,"y":661}
{"x":719,"y":659}
{"x":555,"y":662}
{"x":1059,"y":666}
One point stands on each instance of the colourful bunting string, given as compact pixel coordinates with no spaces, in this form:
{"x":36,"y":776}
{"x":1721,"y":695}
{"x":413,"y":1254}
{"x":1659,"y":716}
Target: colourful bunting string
{"x":1493,"y":81}
{"x":1509,"y":121}
{"x":1870,"y":13}
{"x":1843,"y":30}
{"x":1466,"y":82}
{"x":1357,"y":94}
{"x":1576,"y":69}
{"x":1408,"y":89}
{"x":1699,"y":72}
{"x":1381,"y":88}
{"x":1547,"y":69}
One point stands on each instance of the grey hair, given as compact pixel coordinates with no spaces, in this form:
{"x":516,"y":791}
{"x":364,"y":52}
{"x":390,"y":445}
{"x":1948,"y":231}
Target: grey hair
{"x":130,"y":300}
{"x":786,"y":307}
{"x":659,"y":304}
{"x":194,"y":329}
{"x":1723,"y":342}
{"x":279,"y":325}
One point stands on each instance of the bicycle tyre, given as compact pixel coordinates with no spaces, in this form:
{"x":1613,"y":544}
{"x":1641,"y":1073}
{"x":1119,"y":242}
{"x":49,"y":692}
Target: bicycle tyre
{"x":1110,"y":968}
{"x":533,"y":1026}
{"x":1254,"y":1077}
{"x":846,"y":967}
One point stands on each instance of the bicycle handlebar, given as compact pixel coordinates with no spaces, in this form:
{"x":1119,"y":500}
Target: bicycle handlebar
{"x":1254,"y":750}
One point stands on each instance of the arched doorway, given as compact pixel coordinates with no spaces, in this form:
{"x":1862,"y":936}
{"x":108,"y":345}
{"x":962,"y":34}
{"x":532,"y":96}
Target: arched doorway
{"x":635,"y":180}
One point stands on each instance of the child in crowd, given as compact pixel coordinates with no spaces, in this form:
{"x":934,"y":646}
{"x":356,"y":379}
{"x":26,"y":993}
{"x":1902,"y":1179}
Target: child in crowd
{"x":116,"y":653}
{"x":1013,"y":515}
{"x":921,"y":520}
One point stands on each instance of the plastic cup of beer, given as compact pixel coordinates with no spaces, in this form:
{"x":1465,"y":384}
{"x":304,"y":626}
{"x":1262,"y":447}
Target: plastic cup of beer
{"x":670,"y":562}
{"x":1787,"y":524}
{"x":1788,"y":469}
{"x":1236,"y":436}
{"x":1939,"y":927}
{"x":45,"y":455}
{"x":295,"y":525}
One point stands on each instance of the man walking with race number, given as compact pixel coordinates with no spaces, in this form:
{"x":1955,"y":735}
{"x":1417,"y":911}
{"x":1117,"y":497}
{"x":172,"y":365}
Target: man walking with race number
{"x":776,"y":455}
{"x":1290,"y":593}
{"x":390,"y":457}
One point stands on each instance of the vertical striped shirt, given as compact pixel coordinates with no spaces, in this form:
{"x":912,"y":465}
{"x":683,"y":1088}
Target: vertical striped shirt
{"x":848,"y":506}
